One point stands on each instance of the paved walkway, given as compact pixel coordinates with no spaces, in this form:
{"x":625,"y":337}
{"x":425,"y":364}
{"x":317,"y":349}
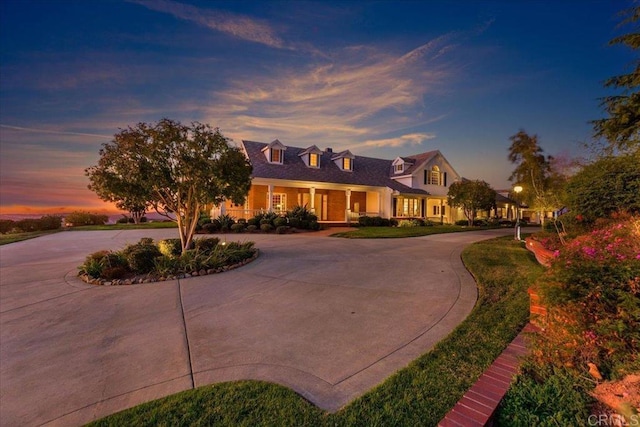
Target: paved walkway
{"x":328,"y":317}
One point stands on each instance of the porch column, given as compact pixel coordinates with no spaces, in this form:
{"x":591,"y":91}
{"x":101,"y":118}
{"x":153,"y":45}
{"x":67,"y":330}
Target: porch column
{"x":312,"y":199}
{"x":270,"y":198}
{"x":348,"y":211}
{"x":441,"y":212}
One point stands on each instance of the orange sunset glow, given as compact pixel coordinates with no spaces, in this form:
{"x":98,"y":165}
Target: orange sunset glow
{"x":382,"y":79}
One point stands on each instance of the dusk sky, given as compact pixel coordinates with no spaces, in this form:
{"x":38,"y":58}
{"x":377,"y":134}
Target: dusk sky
{"x":383,"y":79}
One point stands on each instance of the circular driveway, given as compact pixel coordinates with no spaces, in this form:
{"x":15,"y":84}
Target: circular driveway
{"x":327,"y":317}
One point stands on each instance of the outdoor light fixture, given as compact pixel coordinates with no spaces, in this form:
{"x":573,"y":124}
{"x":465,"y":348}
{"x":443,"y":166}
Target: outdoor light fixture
{"x":517,"y":189}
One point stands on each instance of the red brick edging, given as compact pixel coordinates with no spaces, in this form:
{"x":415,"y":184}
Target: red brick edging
{"x":477,"y":406}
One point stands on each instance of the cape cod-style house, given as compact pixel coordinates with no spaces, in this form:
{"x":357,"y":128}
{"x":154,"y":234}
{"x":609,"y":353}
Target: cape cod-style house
{"x":340,"y":186}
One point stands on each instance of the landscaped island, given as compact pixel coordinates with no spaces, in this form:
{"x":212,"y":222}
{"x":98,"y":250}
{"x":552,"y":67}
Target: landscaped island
{"x":148,"y":261}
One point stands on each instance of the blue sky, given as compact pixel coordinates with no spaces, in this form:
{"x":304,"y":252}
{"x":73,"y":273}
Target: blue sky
{"x":382,"y":79}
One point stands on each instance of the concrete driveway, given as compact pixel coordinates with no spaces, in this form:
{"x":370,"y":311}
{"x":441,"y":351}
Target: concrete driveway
{"x":328,"y":317}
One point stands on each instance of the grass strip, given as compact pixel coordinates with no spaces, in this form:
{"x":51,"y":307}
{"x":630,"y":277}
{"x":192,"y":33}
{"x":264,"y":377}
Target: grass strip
{"x":420,"y":394}
{"x":5,"y":239}
{"x":400,"y":232}
{"x":142,"y":226}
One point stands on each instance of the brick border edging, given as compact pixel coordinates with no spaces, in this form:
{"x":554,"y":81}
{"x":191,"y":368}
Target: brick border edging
{"x":479,"y":403}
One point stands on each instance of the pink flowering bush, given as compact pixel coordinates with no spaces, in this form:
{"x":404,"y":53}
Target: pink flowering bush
{"x":592,"y":291}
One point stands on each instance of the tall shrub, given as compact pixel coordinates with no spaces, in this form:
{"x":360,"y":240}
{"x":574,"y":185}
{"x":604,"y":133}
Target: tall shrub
{"x":593,"y":293}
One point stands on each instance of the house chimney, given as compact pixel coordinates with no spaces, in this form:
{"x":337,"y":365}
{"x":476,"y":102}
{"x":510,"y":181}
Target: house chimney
{"x":329,"y":150}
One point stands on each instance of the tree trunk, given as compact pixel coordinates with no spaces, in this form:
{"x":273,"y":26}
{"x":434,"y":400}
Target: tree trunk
{"x":187,"y":225}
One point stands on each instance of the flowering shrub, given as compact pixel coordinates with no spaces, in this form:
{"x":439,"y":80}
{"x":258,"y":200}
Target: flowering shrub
{"x":549,"y":240}
{"x":593,"y":293}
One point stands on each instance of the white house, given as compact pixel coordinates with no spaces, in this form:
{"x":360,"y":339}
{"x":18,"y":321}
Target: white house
{"x":340,"y":186}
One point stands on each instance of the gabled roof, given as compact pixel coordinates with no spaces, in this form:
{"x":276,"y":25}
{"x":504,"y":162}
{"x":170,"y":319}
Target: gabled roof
{"x":312,"y":149}
{"x":275,"y":144}
{"x":416,"y":161}
{"x":343,"y":154}
{"x":366,"y":170}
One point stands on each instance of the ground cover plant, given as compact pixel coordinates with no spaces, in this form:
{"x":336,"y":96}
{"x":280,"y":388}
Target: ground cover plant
{"x":592,"y":330}
{"x":164,"y":259}
{"x":420,"y":394}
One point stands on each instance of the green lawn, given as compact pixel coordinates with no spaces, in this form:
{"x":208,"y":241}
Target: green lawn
{"x":398,"y":232}
{"x":143,"y":226}
{"x":420,"y":394}
{"x":18,"y":237}
{"x":5,"y":239}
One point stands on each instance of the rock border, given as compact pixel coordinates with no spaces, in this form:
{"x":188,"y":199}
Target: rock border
{"x":148,"y":278}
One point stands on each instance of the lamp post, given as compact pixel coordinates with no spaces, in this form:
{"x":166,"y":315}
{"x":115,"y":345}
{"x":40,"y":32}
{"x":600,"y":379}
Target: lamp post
{"x":517,"y":189}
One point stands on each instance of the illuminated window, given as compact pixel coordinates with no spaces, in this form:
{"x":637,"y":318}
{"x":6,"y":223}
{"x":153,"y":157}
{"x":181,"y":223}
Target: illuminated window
{"x":408,"y":207}
{"x":346,"y":163}
{"x":314,"y":160}
{"x":276,"y":156}
{"x":279,"y":202}
{"x":434,"y":176}
{"x":438,"y":210}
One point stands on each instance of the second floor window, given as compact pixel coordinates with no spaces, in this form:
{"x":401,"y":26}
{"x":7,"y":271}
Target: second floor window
{"x":276,"y":156}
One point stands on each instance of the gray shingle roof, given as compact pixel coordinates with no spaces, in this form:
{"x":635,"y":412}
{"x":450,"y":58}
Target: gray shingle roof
{"x":366,"y":170}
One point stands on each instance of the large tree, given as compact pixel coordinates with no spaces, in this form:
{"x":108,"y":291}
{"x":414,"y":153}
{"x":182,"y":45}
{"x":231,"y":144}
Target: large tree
{"x":471,"y":196}
{"x":621,"y":128}
{"x":541,"y":183}
{"x":608,"y":185}
{"x":175,"y":168}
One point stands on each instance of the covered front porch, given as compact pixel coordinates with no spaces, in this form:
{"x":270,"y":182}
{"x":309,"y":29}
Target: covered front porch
{"x":432,"y":208}
{"x":330,"y":202}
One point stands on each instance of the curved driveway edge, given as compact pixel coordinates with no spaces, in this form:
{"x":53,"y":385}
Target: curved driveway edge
{"x":329,"y":318}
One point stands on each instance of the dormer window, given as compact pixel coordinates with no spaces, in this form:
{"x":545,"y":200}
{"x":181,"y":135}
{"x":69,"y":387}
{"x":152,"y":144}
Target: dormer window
{"x":274,"y":152}
{"x":401,"y":165}
{"x":344,"y":160}
{"x":314,"y":160}
{"x":311,"y":156}
{"x":276,"y":156}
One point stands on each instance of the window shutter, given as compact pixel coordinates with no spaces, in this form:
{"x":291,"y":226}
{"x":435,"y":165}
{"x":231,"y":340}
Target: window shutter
{"x":444,"y":175}
{"x":426,"y":176}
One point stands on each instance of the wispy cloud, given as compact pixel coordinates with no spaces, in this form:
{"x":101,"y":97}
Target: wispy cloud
{"x":51,"y":131}
{"x":410,"y":139}
{"x":363,"y":94}
{"x":239,"y":26}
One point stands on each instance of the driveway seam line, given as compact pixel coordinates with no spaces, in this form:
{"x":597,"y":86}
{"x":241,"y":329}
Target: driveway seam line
{"x":110,"y":398}
{"x":414,"y":339}
{"x":186,"y":335}
{"x":43,"y":301}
